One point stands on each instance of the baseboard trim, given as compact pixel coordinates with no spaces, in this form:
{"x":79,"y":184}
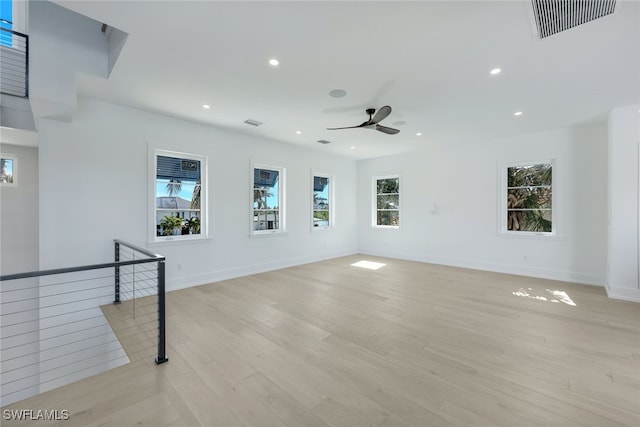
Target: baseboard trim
{"x":247,"y":270}
{"x":625,"y":294}
{"x":562,"y":276}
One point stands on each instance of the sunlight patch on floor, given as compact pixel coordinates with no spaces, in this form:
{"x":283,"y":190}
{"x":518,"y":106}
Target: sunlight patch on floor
{"x":369,"y":265}
{"x":555,"y":296}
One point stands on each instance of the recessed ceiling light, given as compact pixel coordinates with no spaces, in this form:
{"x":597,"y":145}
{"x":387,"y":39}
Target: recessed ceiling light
{"x":495,"y":71}
{"x":353,"y":147}
{"x":517,"y":113}
{"x":274,"y":62}
{"x":337,"y":93}
{"x":206,"y":106}
{"x":298,"y":132}
{"x":419,"y":134}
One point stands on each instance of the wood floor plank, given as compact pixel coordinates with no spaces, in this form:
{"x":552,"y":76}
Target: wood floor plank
{"x":203,"y":403}
{"x":285,"y":406}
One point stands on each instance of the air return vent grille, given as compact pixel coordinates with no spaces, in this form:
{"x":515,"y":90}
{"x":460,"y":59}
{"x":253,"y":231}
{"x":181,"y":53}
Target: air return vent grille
{"x":253,"y":122}
{"x":554,"y":16}
{"x":324,"y":141}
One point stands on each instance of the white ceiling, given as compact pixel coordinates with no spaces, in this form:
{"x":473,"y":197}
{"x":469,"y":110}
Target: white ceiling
{"x":429,"y":60}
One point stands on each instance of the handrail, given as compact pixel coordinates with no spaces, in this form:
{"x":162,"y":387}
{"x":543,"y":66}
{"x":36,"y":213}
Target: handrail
{"x":14,"y":32}
{"x":75,"y":269}
{"x":152,"y":257}
{"x":139,"y":249}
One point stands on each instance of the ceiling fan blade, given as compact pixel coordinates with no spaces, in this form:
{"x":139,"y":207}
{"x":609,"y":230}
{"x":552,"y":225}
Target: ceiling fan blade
{"x":348,"y":127}
{"x":387,"y":130}
{"x":382,"y":113}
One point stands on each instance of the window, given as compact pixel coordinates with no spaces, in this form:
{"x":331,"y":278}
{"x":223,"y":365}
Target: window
{"x":267,"y":199}
{"x":8,"y":170}
{"x":322,"y":203}
{"x":387,"y":201}
{"x":179,"y":189}
{"x":528,"y":198}
{"x":6,"y":22}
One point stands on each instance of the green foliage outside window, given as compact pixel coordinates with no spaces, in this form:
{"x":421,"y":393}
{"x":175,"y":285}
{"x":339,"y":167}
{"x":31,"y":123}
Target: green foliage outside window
{"x":529,"y":198}
{"x":388,"y":201}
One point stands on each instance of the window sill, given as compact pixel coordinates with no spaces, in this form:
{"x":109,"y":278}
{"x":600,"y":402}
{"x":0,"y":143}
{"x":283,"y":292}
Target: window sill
{"x":529,"y":235}
{"x":385,"y":227}
{"x":178,"y":239}
{"x":267,"y":234}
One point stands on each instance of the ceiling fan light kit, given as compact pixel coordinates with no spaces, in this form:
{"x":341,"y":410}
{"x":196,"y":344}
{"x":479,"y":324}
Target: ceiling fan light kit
{"x":373,"y":121}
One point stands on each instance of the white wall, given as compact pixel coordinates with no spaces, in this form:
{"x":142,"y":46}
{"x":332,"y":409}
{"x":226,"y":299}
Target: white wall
{"x":19,"y":214}
{"x":94,"y":183}
{"x":19,"y":332}
{"x":624,"y":167}
{"x":449,"y":206}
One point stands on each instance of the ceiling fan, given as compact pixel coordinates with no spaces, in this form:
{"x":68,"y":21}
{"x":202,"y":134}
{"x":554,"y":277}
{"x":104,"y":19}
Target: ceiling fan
{"x":372,"y":123}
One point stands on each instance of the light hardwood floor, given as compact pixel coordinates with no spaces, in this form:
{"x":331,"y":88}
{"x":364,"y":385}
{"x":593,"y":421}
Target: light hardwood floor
{"x":409,"y":344}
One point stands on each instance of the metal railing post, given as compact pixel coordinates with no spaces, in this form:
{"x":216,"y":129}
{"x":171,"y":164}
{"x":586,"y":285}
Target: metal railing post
{"x":117,"y":273}
{"x":26,"y":67}
{"x":162,"y":352}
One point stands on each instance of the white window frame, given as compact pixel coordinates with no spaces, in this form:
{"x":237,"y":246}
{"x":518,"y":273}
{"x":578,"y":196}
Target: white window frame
{"x":374,"y":201}
{"x":502,"y":198}
{"x":332,"y":184}
{"x":14,"y":170}
{"x":282,"y":197}
{"x":204,"y":182}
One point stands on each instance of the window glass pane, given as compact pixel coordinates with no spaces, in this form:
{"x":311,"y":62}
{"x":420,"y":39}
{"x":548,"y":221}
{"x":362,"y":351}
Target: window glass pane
{"x":388,"y":185}
{"x":265,"y":189}
{"x":532,"y":220}
{"x":266,"y":219}
{"x":321,"y":202}
{"x":6,"y":21}
{"x":266,"y":199}
{"x":178,"y":196}
{"x":389,"y":201}
{"x":529,"y":198}
{"x":529,"y":175}
{"x":6,"y":171}
{"x":388,"y":218}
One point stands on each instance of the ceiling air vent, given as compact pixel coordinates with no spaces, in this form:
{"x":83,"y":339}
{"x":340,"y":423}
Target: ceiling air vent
{"x":324,"y":141}
{"x":554,"y":16}
{"x":253,"y":122}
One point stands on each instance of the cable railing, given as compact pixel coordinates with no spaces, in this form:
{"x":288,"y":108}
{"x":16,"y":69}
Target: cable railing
{"x":14,"y":62}
{"x":59,"y":326}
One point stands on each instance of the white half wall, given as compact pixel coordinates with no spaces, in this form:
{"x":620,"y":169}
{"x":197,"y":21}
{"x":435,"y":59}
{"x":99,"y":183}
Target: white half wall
{"x":94,"y":183}
{"x":450,"y":212}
